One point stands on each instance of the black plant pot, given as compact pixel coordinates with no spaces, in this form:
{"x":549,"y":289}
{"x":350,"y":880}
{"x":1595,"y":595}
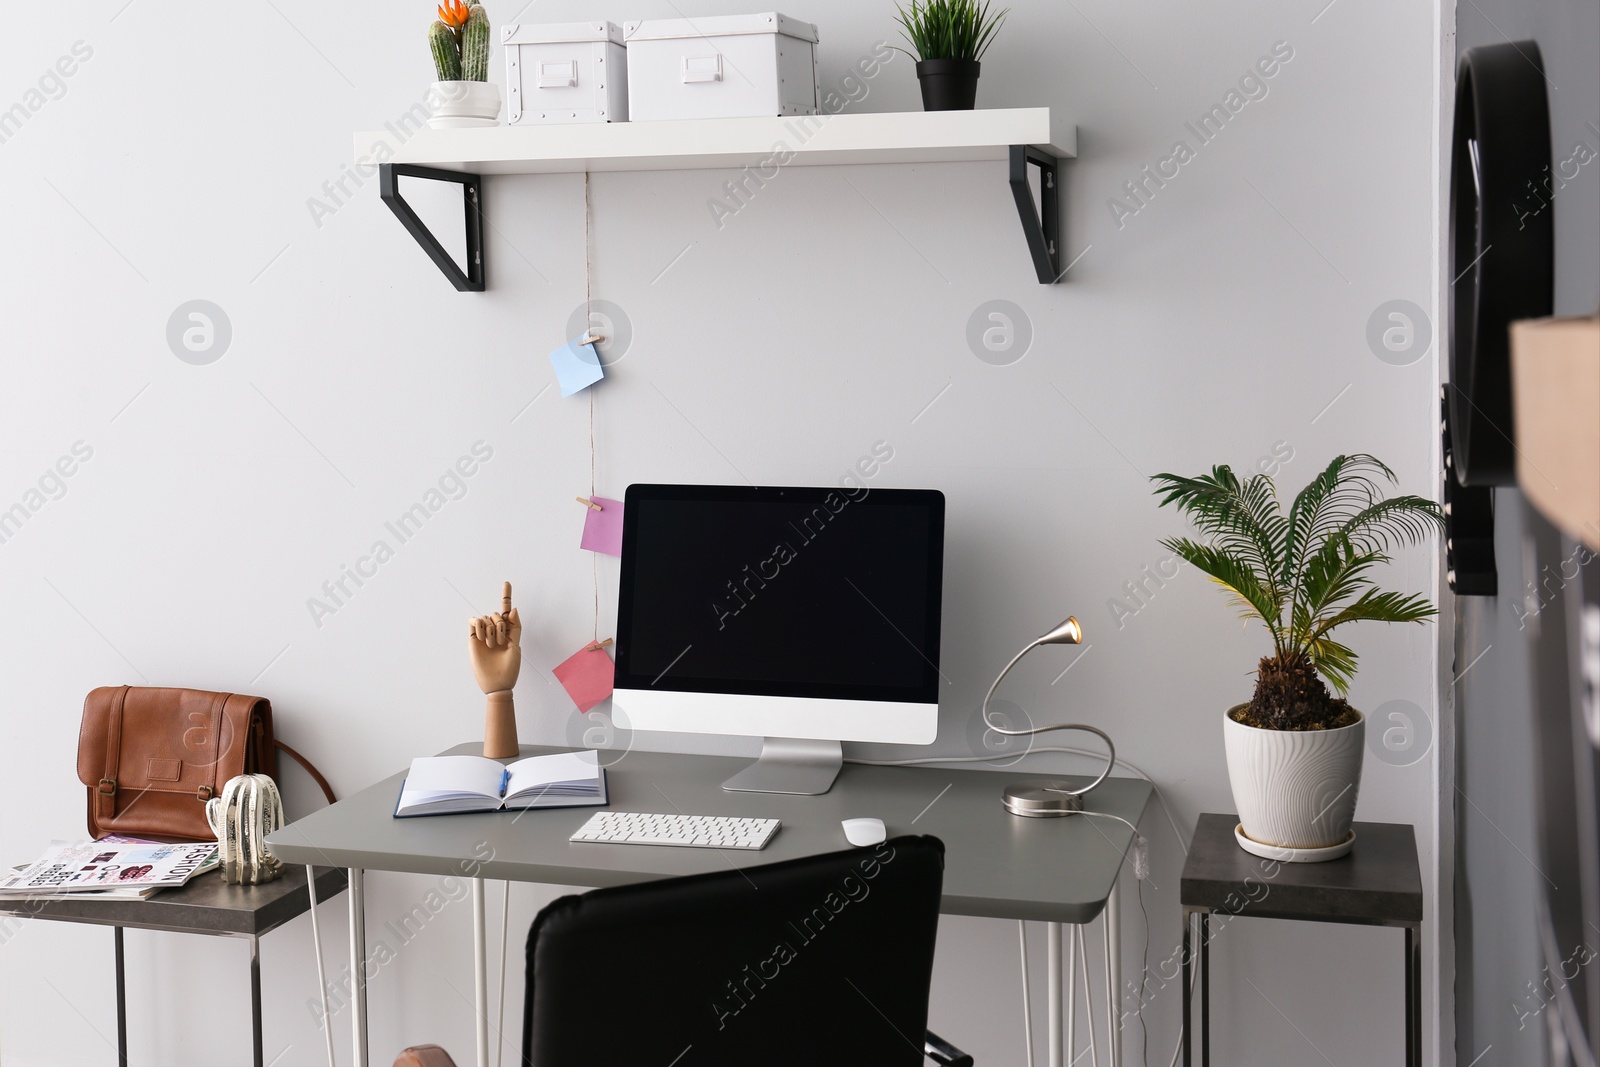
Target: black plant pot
{"x":948,"y":84}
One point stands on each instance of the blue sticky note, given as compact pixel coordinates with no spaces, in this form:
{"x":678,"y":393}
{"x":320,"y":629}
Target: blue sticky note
{"x":577,"y":366}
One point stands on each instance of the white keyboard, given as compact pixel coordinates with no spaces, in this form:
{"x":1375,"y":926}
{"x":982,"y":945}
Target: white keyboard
{"x":693,"y":831}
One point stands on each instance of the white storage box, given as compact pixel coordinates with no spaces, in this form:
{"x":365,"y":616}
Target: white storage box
{"x":731,"y":66}
{"x":565,"y":72}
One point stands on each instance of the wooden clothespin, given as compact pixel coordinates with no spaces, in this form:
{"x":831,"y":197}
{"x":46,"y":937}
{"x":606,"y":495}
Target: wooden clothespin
{"x":591,"y":339}
{"x":586,"y":502}
{"x":596,"y":645}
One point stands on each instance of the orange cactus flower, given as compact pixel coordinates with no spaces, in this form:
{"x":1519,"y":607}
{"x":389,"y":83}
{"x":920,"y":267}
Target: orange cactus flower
{"x":453,"y":13}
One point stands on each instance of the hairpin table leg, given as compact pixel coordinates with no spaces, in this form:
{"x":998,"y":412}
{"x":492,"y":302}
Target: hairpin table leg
{"x":316,"y":946}
{"x":255,"y":1003}
{"x":1052,"y":941}
{"x":1113,"y":932}
{"x":480,"y":962}
{"x":1080,"y":942}
{"x":358,"y":965}
{"x":1027,"y":1001}
{"x":122,"y":1001}
{"x":1074,"y":931}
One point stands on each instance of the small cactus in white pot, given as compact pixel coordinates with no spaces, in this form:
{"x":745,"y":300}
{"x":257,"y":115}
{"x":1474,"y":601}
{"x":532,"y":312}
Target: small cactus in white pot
{"x":459,"y":41}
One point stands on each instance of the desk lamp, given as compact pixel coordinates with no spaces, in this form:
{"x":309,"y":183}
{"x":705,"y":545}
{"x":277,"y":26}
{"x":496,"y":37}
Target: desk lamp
{"x":1046,"y":797}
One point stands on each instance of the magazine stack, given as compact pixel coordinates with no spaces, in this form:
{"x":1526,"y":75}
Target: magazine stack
{"x":114,"y":868}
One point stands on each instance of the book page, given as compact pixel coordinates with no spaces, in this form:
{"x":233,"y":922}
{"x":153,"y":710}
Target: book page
{"x":440,"y":777}
{"x":564,"y":773}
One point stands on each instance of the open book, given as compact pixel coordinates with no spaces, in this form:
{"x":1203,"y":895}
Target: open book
{"x":449,"y":785}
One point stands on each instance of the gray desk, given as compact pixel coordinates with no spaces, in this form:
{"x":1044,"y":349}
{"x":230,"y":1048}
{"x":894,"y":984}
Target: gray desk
{"x":996,"y":865}
{"x":205,"y":906}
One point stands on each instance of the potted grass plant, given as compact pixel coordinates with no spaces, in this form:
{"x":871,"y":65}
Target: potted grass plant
{"x":950,"y":37}
{"x":463,"y":96}
{"x":1294,"y":750}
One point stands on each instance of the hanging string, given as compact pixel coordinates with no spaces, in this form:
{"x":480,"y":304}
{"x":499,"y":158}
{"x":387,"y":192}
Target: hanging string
{"x":588,"y":318}
{"x":588,"y":327}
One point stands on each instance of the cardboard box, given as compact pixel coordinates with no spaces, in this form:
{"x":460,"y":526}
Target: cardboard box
{"x":1555,"y":392}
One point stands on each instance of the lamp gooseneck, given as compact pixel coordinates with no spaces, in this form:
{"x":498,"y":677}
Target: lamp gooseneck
{"x":1067,"y":633}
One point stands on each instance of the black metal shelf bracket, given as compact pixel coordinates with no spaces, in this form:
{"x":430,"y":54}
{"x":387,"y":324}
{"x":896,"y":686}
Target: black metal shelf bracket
{"x":1041,"y":225}
{"x":1468,"y":522}
{"x":389,"y":175}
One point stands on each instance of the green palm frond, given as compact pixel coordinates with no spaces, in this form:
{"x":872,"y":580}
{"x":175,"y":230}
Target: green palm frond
{"x":1374,"y":606}
{"x":1344,"y":490}
{"x":1336,"y":574}
{"x":1333,"y":661}
{"x":1388,"y":524}
{"x":1235,"y":575}
{"x":1310,"y":571}
{"x":1242,"y":518}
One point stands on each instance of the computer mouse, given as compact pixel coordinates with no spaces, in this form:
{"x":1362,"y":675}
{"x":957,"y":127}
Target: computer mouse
{"x":864,"y":831}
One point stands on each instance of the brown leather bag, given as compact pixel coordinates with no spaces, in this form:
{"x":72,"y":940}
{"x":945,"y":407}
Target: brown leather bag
{"x":152,"y":757}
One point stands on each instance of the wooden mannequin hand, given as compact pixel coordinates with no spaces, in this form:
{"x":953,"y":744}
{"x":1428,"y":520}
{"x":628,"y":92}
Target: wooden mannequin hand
{"x":495,"y":645}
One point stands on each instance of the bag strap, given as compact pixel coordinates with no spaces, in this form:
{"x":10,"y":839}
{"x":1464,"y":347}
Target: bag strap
{"x":219,"y":777}
{"x":316,"y":775}
{"x":106,"y":788}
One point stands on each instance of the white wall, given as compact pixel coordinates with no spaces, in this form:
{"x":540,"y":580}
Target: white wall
{"x":1224,"y":318}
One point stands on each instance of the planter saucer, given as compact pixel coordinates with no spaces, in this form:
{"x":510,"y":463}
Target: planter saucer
{"x":1292,"y":855}
{"x":460,"y":122}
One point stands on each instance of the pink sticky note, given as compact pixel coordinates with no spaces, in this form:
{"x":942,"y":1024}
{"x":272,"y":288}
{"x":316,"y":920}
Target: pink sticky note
{"x":587,"y":677}
{"x":602,"y":530}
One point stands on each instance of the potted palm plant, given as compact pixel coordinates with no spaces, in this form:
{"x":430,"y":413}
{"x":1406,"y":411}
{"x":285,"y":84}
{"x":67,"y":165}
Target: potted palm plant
{"x":950,"y":37}
{"x":1294,"y":750}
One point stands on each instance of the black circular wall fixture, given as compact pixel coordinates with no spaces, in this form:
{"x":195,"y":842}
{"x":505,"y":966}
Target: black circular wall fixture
{"x":1501,"y":246}
{"x":1468,"y":525}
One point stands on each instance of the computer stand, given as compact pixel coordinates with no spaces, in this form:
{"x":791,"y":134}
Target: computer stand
{"x":790,"y":765}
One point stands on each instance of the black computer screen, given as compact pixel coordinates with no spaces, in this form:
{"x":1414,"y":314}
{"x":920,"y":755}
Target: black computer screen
{"x":781,"y":591}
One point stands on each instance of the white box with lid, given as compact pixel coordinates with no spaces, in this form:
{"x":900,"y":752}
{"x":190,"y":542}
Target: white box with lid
{"x":730,"y":66}
{"x":565,"y":72}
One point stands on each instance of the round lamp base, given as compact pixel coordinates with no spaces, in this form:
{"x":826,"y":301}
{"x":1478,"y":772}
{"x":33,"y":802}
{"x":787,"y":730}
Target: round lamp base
{"x":1041,"y":798}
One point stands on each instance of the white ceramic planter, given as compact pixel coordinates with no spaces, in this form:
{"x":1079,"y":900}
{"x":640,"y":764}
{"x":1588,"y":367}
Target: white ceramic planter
{"x":1295,"y":788}
{"x":459,"y":105}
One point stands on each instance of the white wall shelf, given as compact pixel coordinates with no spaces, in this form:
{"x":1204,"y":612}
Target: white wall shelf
{"x":708,"y":144}
{"x":1021,"y":136}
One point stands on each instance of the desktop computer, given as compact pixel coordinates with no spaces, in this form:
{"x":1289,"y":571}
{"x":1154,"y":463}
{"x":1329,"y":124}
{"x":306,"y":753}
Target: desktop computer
{"x":803,"y":616}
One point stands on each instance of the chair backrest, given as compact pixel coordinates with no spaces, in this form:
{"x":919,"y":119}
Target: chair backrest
{"x":824,"y":960}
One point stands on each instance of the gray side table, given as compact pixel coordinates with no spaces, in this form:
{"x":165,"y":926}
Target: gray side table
{"x":205,"y":906}
{"x":1378,"y":884}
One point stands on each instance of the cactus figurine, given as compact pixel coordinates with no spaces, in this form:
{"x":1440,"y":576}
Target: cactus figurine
{"x":475,"y":45}
{"x":446,"y":53}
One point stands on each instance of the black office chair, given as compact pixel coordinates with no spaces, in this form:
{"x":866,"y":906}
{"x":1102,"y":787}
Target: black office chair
{"x":824,"y":960}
